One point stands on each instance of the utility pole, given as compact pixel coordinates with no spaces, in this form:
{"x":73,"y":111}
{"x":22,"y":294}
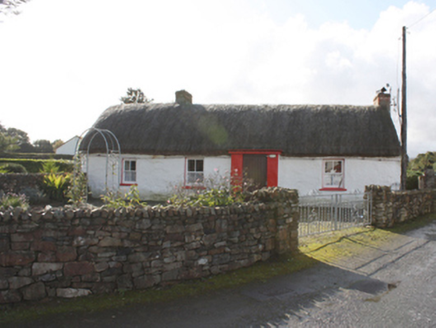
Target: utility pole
{"x":404,"y":157}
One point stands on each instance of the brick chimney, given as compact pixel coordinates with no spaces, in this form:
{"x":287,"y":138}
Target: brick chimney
{"x":383,"y":99}
{"x":183,"y":97}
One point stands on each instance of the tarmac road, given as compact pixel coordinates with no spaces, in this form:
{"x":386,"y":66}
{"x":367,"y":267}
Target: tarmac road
{"x":390,"y":286}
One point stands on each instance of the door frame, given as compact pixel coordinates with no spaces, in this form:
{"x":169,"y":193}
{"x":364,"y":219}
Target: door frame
{"x":272,"y":165}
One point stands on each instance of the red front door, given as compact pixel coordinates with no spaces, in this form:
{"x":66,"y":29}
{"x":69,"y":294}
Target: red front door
{"x":255,"y":170}
{"x":263,"y":166}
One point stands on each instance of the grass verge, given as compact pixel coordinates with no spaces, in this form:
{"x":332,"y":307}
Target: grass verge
{"x":327,"y":247}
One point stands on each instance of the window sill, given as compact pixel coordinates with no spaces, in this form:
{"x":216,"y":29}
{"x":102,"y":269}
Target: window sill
{"x":125,"y":184}
{"x":194,"y":187}
{"x":333,"y":189}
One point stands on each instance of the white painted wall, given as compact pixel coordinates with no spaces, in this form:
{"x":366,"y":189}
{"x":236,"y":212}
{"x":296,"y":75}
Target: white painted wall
{"x":158,"y":175}
{"x":69,"y":147}
{"x":305,"y":174}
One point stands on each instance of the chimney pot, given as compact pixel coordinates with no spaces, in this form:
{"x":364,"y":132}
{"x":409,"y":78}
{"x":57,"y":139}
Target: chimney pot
{"x":183,"y":97}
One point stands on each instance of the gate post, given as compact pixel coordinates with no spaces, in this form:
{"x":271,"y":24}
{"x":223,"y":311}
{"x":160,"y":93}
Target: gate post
{"x":284,"y":203}
{"x":336,"y":211}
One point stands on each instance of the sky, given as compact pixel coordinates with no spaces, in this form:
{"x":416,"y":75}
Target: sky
{"x":64,"y":62}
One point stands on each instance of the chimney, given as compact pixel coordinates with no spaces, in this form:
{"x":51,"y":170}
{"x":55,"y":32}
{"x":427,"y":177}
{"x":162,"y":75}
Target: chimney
{"x":183,"y":97}
{"x":383,"y":99}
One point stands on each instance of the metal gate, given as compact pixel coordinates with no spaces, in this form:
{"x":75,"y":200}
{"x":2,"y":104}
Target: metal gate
{"x":323,"y":213}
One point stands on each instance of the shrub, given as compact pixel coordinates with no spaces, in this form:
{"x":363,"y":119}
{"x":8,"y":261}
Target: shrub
{"x":56,"y":185}
{"x":78,"y":191}
{"x":216,"y":190}
{"x":412,"y":180}
{"x":13,"y":168}
{"x":36,"y":165}
{"x":49,"y":167}
{"x":33,"y":195}
{"x":116,"y":200}
{"x":11,"y":200}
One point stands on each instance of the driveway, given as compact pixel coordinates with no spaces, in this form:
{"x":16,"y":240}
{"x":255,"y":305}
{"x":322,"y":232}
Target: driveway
{"x":393,"y":285}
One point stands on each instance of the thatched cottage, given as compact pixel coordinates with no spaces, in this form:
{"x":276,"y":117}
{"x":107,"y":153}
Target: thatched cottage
{"x":312,"y":148}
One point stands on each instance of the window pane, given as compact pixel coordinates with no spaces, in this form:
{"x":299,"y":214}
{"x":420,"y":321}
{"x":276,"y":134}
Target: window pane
{"x":191,"y":165}
{"x":338,"y":166}
{"x":133,"y":165}
{"x":333,"y":180}
{"x":333,"y":167}
{"x":199,"y":167}
{"x":328,"y":167}
{"x":195,"y":177}
{"x":191,"y":177}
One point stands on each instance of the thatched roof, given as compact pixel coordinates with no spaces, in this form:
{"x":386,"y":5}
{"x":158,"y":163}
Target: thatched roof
{"x":296,"y":130}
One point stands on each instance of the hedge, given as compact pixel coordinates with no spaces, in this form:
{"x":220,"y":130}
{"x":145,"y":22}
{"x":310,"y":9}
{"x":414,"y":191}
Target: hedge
{"x":35,"y":156}
{"x":35,"y":165}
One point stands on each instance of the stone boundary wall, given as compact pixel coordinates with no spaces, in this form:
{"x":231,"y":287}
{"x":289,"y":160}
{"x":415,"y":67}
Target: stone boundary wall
{"x":391,"y":207}
{"x":66,"y":252}
{"x":19,"y":182}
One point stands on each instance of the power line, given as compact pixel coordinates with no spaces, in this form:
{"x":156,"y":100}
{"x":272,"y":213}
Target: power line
{"x":422,"y":18}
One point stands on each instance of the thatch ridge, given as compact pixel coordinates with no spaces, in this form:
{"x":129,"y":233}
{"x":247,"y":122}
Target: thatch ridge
{"x":296,"y":130}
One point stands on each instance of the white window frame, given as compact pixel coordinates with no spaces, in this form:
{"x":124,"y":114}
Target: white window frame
{"x":333,"y":174}
{"x":194,"y":173}
{"x":129,"y":176}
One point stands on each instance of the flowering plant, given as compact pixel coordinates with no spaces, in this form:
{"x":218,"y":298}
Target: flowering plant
{"x":215,"y":190}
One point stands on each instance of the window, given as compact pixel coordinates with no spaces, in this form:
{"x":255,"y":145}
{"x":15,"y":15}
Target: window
{"x":129,"y":172}
{"x":333,"y":174}
{"x":195,"y":171}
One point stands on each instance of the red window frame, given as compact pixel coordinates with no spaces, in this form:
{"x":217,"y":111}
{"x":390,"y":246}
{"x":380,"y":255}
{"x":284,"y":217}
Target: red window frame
{"x":323,"y":188}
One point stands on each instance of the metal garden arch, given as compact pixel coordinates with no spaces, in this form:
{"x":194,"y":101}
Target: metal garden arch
{"x":113,"y":156}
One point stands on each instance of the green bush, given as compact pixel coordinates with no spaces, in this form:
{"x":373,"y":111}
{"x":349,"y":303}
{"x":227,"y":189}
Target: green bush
{"x":12,"y":168}
{"x":412,"y":180}
{"x":56,"y":186}
{"x":130,"y":199}
{"x":35,"y":156}
{"x":216,"y":190}
{"x":36,"y":165}
{"x":78,"y":189}
{"x":11,"y":200}
{"x":49,"y":167}
{"x":34,"y":195}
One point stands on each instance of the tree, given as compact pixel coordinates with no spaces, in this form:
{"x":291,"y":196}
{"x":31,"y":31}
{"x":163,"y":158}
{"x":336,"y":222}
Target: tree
{"x":135,"y":96}
{"x":57,"y":143}
{"x":22,"y":139}
{"x":423,"y":161}
{"x":43,"y":146}
{"x":7,"y":143}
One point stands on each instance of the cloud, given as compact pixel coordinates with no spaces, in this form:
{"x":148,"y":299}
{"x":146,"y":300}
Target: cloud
{"x":63,"y":64}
